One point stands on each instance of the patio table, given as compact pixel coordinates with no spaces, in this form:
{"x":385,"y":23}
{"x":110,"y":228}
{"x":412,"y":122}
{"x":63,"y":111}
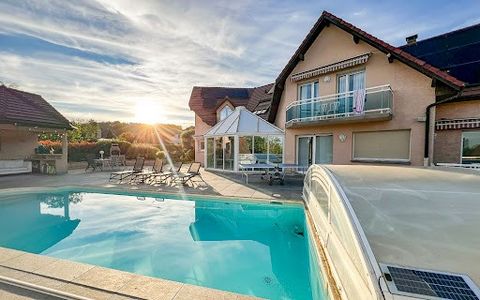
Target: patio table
{"x":104,"y":163}
{"x":270,"y":172}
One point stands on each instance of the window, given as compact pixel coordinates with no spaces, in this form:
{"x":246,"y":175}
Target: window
{"x":470,"y":147}
{"x":349,"y":83}
{"x":275,"y":150}
{"x":260,"y":149}
{"x":201,"y":145}
{"x":382,"y":145}
{"x":225,"y":112}
{"x":245,"y":150}
{"x":307,"y":92}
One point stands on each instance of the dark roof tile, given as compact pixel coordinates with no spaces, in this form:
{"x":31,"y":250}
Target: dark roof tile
{"x":397,"y":53}
{"x":204,"y":101}
{"x":29,"y":109}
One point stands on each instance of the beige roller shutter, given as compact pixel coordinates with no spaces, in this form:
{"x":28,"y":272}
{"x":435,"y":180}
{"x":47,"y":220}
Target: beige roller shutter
{"x":382,"y":145}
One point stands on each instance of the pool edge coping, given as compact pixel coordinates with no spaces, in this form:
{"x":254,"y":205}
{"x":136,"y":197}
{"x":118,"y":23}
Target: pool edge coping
{"x":18,"y":267}
{"x":112,"y":189}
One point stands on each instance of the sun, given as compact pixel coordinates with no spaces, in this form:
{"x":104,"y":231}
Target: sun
{"x":147,"y":111}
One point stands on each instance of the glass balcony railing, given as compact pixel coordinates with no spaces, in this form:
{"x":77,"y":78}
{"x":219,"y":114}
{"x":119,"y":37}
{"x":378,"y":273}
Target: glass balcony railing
{"x":378,"y":102}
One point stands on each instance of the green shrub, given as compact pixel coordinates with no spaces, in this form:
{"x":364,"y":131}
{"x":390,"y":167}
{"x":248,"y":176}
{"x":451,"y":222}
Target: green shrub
{"x":146,"y":150}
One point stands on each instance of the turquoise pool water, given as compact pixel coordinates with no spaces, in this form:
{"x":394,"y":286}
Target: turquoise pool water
{"x":249,"y":248}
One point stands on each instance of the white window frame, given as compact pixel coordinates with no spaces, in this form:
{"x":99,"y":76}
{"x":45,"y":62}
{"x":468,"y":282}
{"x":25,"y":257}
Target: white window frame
{"x":200,"y":143}
{"x":312,"y":90}
{"x":461,"y":143}
{"x":348,"y":74}
{"x":222,"y":110}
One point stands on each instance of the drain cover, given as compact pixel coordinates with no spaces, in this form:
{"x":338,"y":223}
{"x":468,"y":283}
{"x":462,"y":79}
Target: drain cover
{"x":267,"y":280}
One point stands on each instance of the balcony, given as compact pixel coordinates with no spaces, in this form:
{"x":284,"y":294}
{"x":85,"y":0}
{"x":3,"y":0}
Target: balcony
{"x":339,"y":108}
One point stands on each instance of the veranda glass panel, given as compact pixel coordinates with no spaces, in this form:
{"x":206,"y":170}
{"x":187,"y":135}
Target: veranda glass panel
{"x":471,"y":147}
{"x":229,"y":152}
{"x":218,"y":153}
{"x":210,"y":153}
{"x":260,"y":149}
{"x":245,"y":150}
{"x":275,"y":147}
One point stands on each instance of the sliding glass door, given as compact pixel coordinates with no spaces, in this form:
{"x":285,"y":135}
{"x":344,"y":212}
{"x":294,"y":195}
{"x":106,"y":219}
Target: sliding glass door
{"x":314,"y":150}
{"x":323,"y":149}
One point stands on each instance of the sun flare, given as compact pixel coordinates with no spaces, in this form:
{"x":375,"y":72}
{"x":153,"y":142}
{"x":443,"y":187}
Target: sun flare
{"x":147,"y":111}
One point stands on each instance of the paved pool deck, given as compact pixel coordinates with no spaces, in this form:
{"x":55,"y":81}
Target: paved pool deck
{"x":210,"y":184}
{"x":29,"y":276}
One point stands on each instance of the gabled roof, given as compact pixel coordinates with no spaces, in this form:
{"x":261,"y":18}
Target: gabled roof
{"x":29,"y":109}
{"x":456,"y":52}
{"x":204,"y":101}
{"x":395,"y":53}
{"x":243,"y":122}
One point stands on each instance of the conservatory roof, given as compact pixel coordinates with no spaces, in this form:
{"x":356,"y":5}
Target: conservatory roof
{"x":243,"y":122}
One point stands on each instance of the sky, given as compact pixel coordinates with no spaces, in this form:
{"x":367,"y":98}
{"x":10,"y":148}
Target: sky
{"x":108,"y":59}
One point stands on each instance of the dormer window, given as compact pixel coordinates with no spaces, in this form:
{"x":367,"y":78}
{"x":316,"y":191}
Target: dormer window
{"x":224,"y":112}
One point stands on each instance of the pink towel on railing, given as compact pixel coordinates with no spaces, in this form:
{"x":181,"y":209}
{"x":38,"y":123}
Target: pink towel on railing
{"x":359,"y":101}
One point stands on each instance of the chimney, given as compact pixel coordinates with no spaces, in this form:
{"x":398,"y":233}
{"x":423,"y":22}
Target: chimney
{"x":411,"y":40}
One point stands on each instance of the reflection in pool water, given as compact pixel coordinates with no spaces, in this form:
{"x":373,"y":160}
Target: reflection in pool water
{"x":255,"y":249}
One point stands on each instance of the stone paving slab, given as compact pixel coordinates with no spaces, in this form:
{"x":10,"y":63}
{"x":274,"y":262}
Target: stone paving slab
{"x":214,"y":183}
{"x":90,"y":281}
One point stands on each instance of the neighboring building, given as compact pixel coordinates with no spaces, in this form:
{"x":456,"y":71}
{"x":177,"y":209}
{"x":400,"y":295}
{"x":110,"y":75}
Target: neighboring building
{"x":214,"y":104}
{"x":23,"y":116}
{"x":348,"y":97}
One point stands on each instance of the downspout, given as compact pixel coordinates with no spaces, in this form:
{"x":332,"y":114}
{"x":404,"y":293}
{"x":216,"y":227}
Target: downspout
{"x":427,"y":123}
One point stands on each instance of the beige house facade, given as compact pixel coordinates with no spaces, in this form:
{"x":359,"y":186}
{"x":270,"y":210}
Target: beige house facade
{"x":402,"y":127}
{"x":346,"y":97}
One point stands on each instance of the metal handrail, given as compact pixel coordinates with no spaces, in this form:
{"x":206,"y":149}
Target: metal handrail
{"x":370,"y":90}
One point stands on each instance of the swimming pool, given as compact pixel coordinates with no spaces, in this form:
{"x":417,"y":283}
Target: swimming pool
{"x":259,"y":249}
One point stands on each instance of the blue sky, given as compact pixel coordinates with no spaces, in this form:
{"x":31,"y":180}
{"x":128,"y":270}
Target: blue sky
{"x":98,"y":59}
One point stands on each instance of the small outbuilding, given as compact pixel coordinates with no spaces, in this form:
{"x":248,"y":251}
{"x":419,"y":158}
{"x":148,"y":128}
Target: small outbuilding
{"x":242,"y":138}
{"x":23,"y":117}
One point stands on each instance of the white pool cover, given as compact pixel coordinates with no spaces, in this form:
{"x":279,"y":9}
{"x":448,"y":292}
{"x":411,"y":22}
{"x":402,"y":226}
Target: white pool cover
{"x":419,"y":218}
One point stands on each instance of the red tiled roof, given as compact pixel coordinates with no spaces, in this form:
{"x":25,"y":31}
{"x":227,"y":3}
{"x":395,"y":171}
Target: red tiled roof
{"x":28,"y":109}
{"x":204,"y":101}
{"x":396,"y":53}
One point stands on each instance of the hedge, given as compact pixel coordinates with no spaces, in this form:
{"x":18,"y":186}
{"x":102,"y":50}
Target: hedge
{"x":77,"y":151}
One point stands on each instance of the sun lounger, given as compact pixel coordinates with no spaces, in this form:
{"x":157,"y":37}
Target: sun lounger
{"x":161,"y":176}
{"x":137,"y":168}
{"x":142,"y":177}
{"x":193,"y":170}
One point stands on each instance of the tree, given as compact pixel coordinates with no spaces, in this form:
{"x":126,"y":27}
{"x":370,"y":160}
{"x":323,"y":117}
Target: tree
{"x":127,"y":136}
{"x":84,"y":132}
{"x":187,"y":138}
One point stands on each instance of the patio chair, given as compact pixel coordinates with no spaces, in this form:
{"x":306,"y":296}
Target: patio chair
{"x":91,"y":163}
{"x":193,"y":170}
{"x":137,"y":168}
{"x":162,"y":176}
{"x":145,"y":174}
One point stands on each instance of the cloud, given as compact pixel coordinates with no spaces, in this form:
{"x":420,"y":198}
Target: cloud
{"x":111,"y":54}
